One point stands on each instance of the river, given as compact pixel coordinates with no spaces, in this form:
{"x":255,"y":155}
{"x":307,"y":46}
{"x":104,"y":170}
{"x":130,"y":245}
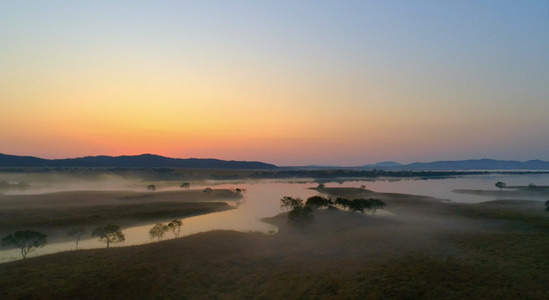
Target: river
{"x":262,"y":199}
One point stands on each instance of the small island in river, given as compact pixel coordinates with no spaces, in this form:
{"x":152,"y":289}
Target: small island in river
{"x":425,"y":248}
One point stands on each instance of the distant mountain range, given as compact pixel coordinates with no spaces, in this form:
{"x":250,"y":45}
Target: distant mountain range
{"x":476,"y":164}
{"x":156,"y":161}
{"x":135,"y":161}
{"x":472,"y":164}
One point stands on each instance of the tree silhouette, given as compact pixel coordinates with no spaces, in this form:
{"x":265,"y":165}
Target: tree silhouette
{"x":76,"y":233}
{"x":109,"y":234}
{"x":175,"y":227}
{"x":343,"y":203}
{"x":158,"y":231}
{"x":318,"y":202}
{"x":301,"y":216}
{"x":185,"y":185}
{"x":376,"y":204}
{"x":26,"y":240}
{"x":151,"y":187}
{"x":500,"y":185}
{"x":290,"y":202}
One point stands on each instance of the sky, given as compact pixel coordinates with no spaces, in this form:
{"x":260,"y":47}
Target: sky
{"x":284,"y":82}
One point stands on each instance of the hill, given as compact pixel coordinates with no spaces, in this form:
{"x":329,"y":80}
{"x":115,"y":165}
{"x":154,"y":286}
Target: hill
{"x":135,"y":161}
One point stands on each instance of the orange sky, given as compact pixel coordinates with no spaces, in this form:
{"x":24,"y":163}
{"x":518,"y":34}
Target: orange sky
{"x":284,"y":83}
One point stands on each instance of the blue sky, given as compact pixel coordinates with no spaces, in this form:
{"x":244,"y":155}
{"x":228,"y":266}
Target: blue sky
{"x":287,"y":82}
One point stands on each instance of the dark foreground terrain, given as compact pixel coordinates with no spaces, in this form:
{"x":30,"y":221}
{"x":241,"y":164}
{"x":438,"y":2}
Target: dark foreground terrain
{"x":426,"y":250}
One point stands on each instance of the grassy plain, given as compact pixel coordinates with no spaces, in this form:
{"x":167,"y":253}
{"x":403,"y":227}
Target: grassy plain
{"x":92,"y":208}
{"x":427,"y":250}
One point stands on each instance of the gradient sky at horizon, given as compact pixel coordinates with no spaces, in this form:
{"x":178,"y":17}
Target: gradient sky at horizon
{"x":284,"y":82}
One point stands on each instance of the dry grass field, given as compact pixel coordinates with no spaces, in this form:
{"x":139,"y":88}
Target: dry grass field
{"x":87,"y":208}
{"x":426,"y":250}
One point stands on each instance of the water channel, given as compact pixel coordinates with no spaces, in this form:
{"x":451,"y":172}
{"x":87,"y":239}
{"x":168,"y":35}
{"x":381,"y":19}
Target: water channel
{"x":262,"y":199}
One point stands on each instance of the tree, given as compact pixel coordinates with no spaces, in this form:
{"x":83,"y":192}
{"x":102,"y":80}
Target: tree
{"x":151,"y":187}
{"x":359,"y":205}
{"x":76,"y":233}
{"x":301,"y":216}
{"x":343,"y":203}
{"x":290,"y":202}
{"x":109,"y":234}
{"x":376,"y":204}
{"x":186,"y":185}
{"x":321,"y":186}
{"x":175,"y":227}
{"x":207,"y":190}
{"x":500,"y":185}
{"x":158,"y":231}
{"x":318,"y":202}
{"x":240,"y":191}
{"x":26,"y":240}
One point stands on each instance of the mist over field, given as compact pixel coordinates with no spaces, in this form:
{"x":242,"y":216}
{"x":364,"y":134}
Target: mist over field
{"x":274,"y":149}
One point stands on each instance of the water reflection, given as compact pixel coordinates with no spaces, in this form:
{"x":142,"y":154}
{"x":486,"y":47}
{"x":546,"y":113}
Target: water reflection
{"x":262,"y":199}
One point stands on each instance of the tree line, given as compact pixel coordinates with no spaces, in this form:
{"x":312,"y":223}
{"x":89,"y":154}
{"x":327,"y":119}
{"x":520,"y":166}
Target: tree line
{"x":301,"y":213}
{"x":27,"y":240}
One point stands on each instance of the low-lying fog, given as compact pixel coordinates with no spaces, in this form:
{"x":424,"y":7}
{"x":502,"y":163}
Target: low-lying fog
{"x":262,"y":199}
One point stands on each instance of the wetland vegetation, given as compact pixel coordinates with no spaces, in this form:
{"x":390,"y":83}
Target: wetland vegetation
{"x":425,"y":248}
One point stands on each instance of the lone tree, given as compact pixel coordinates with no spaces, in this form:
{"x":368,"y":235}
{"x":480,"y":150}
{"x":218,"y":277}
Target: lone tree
{"x":76,"y":233}
{"x":109,"y":234}
{"x":26,"y":240}
{"x":185,"y":185}
{"x":500,"y":185}
{"x":151,"y":187}
{"x":158,"y":231}
{"x":175,"y":227}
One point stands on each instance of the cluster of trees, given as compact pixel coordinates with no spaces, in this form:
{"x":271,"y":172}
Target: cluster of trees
{"x":160,"y":229}
{"x":301,"y":213}
{"x":360,"y":205}
{"x":27,"y":240}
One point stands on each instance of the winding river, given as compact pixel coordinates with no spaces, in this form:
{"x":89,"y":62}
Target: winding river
{"x":262,"y":199}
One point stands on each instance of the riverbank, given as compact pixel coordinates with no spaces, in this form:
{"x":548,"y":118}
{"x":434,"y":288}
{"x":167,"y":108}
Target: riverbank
{"x":429,"y":250}
{"x":63,"y":210}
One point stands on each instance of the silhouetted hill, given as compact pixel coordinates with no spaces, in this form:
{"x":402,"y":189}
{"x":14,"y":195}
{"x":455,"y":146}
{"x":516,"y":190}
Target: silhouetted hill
{"x":477,"y":164}
{"x":471,"y":164}
{"x":135,"y":161}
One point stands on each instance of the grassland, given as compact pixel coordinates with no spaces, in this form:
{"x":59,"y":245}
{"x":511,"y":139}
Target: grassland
{"x":87,"y":208}
{"x":427,"y":250}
